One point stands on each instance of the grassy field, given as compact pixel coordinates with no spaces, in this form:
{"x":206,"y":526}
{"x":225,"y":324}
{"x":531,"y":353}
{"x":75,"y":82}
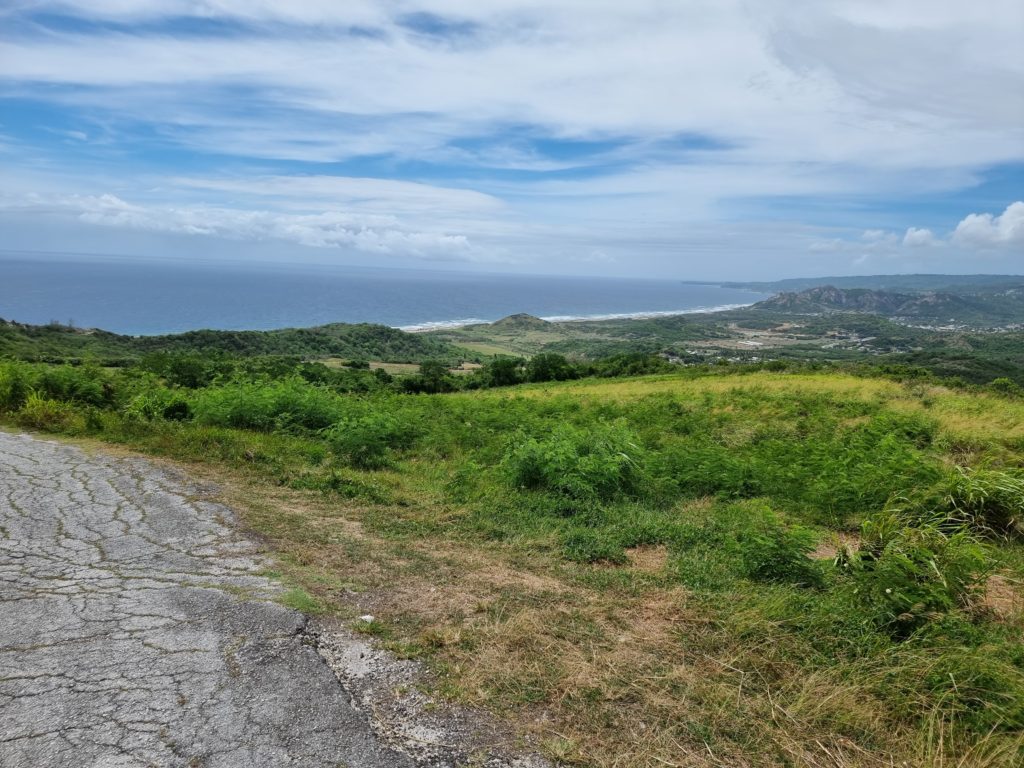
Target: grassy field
{"x":690,"y":569}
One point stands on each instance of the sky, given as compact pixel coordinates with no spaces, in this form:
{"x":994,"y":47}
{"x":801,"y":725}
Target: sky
{"x":726,"y":139}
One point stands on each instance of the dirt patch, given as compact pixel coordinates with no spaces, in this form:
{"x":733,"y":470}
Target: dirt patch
{"x":648,"y":559}
{"x":1004,"y":598}
{"x":834,"y":543}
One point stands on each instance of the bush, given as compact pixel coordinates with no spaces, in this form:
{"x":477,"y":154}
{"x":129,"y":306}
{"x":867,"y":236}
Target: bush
{"x":907,"y":573}
{"x":84,"y":384}
{"x":51,"y":415}
{"x":368,"y":441}
{"x":504,"y":372}
{"x":1007,"y":387}
{"x":158,"y":404}
{"x":585,"y":465}
{"x":434,"y":377}
{"x":986,"y":500}
{"x":185,"y":369}
{"x":14,"y":386}
{"x":266,"y":406}
{"x":772,"y":552}
{"x":548,"y":366}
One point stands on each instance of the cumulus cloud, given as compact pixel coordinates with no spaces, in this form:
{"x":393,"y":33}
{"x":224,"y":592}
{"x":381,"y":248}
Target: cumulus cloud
{"x":983,"y":230}
{"x":919,"y":238}
{"x":975,"y":232}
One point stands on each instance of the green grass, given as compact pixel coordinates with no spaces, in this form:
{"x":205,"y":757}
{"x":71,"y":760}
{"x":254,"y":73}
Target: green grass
{"x":647,"y":554}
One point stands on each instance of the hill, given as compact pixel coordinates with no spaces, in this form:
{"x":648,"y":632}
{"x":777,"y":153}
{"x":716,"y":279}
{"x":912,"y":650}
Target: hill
{"x":519,"y":322}
{"x":782,"y":566}
{"x":977,"y":307}
{"x":353,"y":341}
{"x":903,"y":283}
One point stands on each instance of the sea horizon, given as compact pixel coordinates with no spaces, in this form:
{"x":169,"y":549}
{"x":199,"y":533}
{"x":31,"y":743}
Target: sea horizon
{"x":163,"y":296}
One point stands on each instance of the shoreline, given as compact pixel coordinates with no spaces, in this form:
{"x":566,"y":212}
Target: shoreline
{"x":446,"y":325}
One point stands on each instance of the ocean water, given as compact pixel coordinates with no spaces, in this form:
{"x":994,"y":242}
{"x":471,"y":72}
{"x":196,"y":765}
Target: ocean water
{"x":153,"y":297}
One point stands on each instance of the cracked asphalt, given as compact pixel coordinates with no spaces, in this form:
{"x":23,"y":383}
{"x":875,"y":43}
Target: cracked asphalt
{"x":136,"y":629}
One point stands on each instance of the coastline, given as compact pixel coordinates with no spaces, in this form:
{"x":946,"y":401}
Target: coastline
{"x":444,"y":325}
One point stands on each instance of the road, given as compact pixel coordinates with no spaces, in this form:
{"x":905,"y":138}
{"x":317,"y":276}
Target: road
{"x":136,"y":629}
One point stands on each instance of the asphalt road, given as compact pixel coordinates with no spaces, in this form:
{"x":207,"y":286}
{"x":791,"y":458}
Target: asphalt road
{"x":136,"y":629}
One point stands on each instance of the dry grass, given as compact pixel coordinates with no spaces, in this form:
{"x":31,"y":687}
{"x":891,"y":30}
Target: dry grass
{"x":639,"y":675}
{"x":978,"y":415}
{"x":833,"y":544}
{"x":615,"y":666}
{"x":396,"y":369}
{"x":651,"y":560}
{"x":1004,"y":598}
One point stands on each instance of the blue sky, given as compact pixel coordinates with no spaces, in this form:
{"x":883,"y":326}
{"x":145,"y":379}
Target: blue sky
{"x":701,"y":140}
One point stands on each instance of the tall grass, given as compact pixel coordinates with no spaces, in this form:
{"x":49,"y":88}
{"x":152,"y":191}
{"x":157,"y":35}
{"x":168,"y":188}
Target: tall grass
{"x":736,"y":483}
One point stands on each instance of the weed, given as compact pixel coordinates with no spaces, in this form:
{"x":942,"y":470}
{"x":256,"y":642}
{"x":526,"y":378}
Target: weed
{"x":583,"y":465}
{"x":368,"y":441}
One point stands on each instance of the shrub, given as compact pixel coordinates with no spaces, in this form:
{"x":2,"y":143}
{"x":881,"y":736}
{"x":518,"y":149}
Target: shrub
{"x":548,"y":366}
{"x":504,"y":372}
{"x":1007,"y":387}
{"x":434,"y":377}
{"x":15,"y":386}
{"x":266,"y":406}
{"x":158,"y":404}
{"x":51,"y":415}
{"x":907,"y":572}
{"x":811,"y":461}
{"x":773,"y":552}
{"x":986,"y":500}
{"x":367,"y":441}
{"x":185,"y":369}
{"x":593,"y":464}
{"x":79,"y":384}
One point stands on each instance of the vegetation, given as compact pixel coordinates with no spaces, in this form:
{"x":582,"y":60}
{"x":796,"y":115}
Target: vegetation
{"x":759,"y":334}
{"x":986,"y":306}
{"x":770,"y":564}
{"x":59,"y":343}
{"x":903,"y":283}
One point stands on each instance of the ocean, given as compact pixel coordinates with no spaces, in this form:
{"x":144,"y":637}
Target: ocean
{"x":155,"y":297}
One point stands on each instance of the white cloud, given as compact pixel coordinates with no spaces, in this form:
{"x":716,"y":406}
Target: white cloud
{"x":976,"y":231}
{"x":874,"y":84}
{"x":983,"y":230}
{"x":371,"y":233}
{"x":826,"y":246}
{"x":831,"y":101}
{"x":368,"y":194}
{"x":919,"y":238}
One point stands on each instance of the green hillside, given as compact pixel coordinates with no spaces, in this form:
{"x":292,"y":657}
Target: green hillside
{"x":355,"y":341}
{"x":901,"y":283}
{"x":976,"y":308}
{"x":781,"y":330}
{"x":772,"y":565}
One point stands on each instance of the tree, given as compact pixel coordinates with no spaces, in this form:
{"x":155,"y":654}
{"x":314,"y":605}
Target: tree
{"x":549,"y":366}
{"x":432,"y":378}
{"x":505,"y":372}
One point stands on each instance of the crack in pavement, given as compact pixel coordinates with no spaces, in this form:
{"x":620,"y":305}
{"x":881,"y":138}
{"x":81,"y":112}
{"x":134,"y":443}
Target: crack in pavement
{"x":136,"y":629}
